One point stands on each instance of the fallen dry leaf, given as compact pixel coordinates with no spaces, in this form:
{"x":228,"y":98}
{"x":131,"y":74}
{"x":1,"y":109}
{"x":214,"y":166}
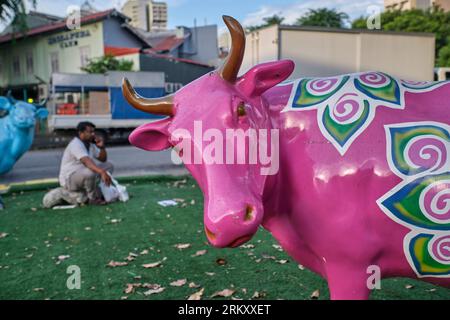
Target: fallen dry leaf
{"x":152,"y":265}
{"x":180,"y":182}
{"x":197,"y":296}
{"x":63,"y":257}
{"x":178,"y":283}
{"x":278,"y":247}
{"x":315,"y":295}
{"x":301,"y":267}
{"x":258,"y":295}
{"x":210,"y":274}
{"x":182,"y":246}
{"x":150,"y":285}
{"x":408,"y":286}
{"x":38,"y":289}
{"x":153,"y":291}
{"x":282,"y":261}
{"x":3,"y":235}
{"x":221,"y":262}
{"x":129,"y":289}
{"x":34,"y":209}
{"x":131,"y":256}
{"x":247,"y":246}
{"x":114,"y":264}
{"x":199,"y":253}
{"x":194,"y":285}
{"x":143,"y":252}
{"x":224,"y":293}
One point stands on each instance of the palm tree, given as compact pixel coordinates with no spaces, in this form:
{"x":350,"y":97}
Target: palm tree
{"x":14,"y":11}
{"x":268,"y":21}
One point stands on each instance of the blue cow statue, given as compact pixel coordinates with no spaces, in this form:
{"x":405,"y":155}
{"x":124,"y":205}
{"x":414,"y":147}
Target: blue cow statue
{"x":17,"y":130}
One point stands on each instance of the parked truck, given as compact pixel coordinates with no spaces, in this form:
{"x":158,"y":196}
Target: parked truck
{"x":98,"y":98}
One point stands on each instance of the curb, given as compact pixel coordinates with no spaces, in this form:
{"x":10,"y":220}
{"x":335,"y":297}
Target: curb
{"x":45,"y":184}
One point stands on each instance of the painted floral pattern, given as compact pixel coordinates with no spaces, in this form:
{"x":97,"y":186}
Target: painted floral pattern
{"x":418,"y":153}
{"x":346,"y":105}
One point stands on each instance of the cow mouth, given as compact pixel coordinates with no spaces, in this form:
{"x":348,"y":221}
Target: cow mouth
{"x":235,"y":243}
{"x":239,"y":241}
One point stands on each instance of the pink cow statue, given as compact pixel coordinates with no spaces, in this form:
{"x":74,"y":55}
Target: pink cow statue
{"x":359,"y":176}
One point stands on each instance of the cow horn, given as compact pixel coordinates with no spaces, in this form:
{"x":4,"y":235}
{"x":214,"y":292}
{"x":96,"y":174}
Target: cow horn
{"x":230,"y":68}
{"x":161,"y":106}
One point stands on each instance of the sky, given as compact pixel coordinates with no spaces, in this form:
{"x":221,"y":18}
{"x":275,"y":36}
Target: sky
{"x":248,"y":12}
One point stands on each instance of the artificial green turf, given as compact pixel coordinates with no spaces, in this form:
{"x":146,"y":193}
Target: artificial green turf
{"x":29,"y":267}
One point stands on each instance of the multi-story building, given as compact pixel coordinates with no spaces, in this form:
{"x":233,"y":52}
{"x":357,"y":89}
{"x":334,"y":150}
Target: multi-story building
{"x":27,"y":60}
{"x":147,"y":15}
{"x":47,"y":62}
{"x":157,"y":16}
{"x":416,"y":4}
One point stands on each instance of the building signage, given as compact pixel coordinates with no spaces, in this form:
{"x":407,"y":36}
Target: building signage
{"x":67,"y":40}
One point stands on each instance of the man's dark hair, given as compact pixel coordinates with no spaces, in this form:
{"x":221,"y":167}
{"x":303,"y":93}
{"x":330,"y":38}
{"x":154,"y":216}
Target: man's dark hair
{"x":81,"y":127}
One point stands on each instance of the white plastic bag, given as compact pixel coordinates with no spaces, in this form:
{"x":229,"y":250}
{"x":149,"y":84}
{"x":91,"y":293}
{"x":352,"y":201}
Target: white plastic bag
{"x":114,"y":191}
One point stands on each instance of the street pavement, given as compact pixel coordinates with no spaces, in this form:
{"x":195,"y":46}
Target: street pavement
{"x":127,"y":160}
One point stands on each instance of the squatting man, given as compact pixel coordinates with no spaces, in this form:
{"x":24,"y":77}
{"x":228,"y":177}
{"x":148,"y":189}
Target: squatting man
{"x":83,"y":164}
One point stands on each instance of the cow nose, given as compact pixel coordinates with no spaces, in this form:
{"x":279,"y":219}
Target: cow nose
{"x":233,"y":229}
{"x":249,"y":213}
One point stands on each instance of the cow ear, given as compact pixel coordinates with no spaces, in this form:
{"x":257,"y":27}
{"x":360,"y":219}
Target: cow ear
{"x":152,"y":136}
{"x":265,"y":76}
{"x":41,"y":113}
{"x":5,"y":104}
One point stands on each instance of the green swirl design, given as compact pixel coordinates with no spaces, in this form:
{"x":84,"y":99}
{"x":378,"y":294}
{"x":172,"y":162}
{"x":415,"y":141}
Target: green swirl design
{"x":343,"y":132}
{"x":423,"y":261}
{"x":303,"y":98}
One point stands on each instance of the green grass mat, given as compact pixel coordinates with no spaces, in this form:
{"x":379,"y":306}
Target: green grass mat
{"x":94,"y":236}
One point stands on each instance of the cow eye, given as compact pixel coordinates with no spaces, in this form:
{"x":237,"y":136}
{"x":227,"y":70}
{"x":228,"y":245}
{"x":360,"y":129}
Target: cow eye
{"x":241,"y":110}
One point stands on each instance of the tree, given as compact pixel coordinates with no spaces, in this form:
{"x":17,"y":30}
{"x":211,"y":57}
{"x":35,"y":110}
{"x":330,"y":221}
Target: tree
{"x":433,"y":20}
{"x":444,"y":56}
{"x":107,"y":63}
{"x":323,"y":17}
{"x":275,"y":19}
{"x":268,"y":21}
{"x":359,"y":23}
{"x":14,"y":11}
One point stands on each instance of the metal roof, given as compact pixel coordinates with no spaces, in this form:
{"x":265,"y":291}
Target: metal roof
{"x":61,"y":25}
